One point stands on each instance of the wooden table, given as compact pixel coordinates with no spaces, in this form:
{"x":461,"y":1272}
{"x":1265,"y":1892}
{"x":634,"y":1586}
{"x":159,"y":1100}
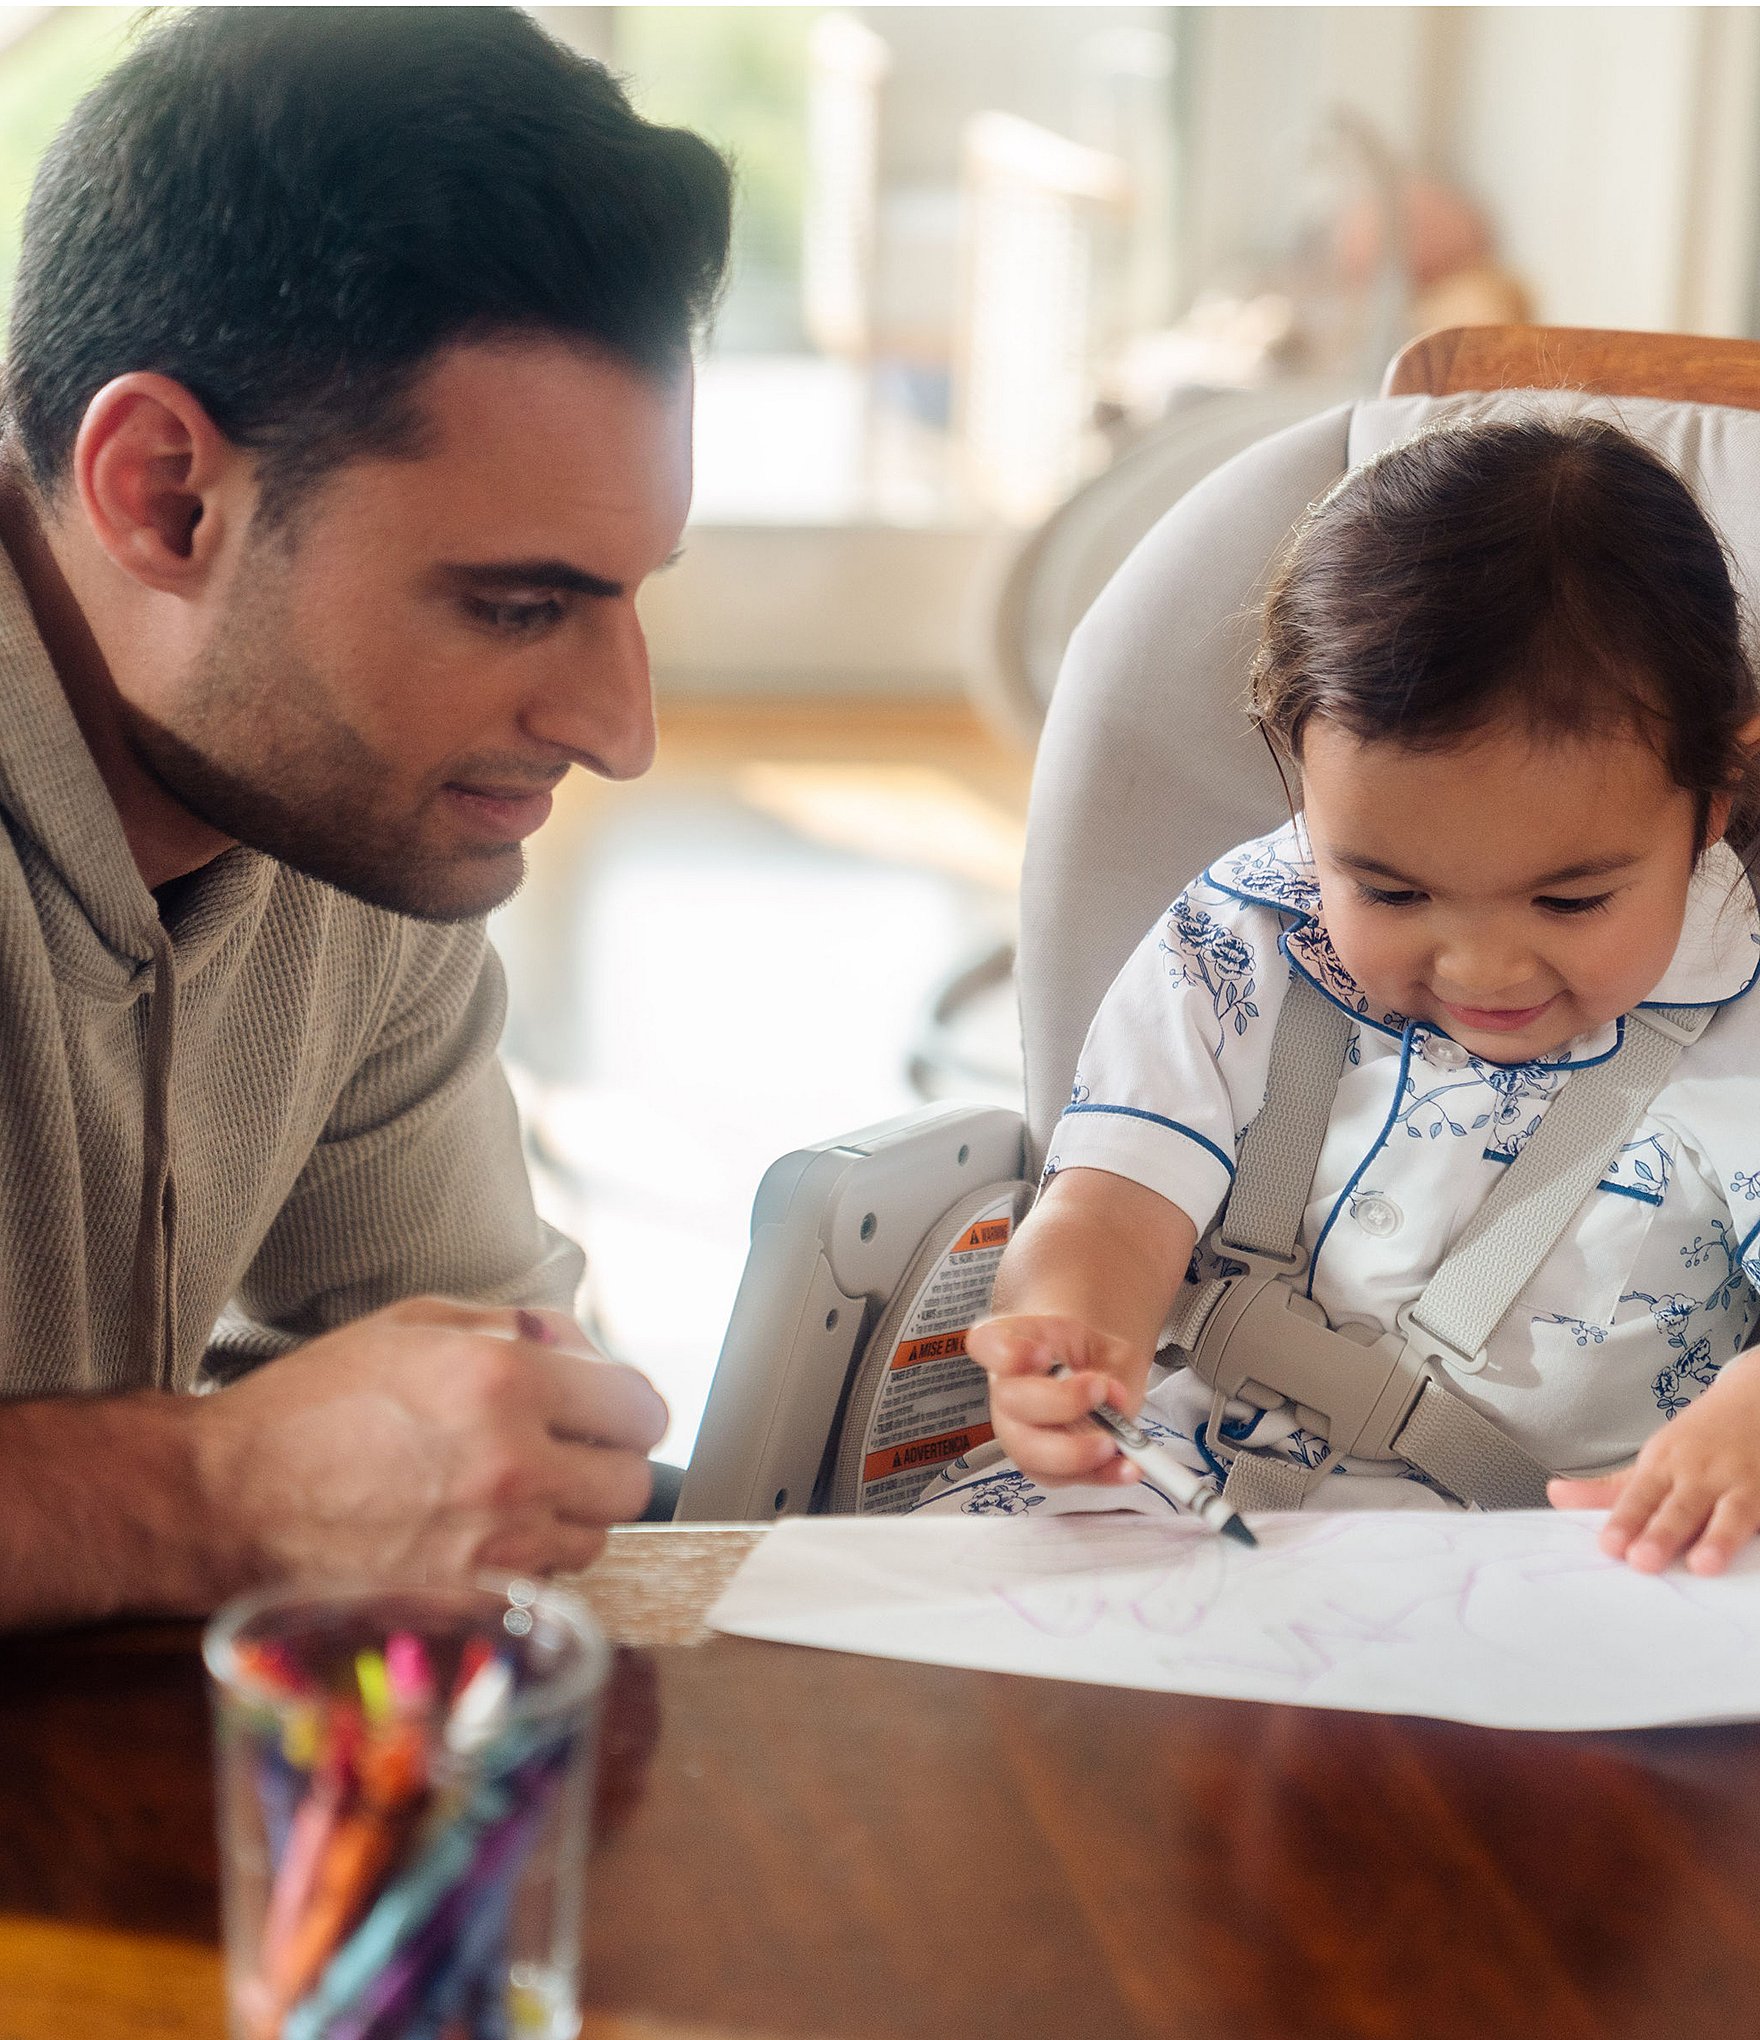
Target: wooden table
{"x":806,"y":1846}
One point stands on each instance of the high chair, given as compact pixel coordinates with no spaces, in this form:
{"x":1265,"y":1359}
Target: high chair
{"x":842,"y":1384}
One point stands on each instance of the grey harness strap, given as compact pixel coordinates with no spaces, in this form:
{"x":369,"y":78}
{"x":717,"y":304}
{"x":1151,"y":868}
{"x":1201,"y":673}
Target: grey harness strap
{"x":1255,"y":1337}
{"x":1281,"y":1149}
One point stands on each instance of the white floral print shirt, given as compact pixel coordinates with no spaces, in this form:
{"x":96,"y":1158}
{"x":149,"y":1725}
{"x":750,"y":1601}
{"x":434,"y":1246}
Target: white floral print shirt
{"x":1635,"y":1310}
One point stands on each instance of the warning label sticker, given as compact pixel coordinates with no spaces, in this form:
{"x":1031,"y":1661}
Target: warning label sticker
{"x":935,"y":1405}
{"x":923,"y":1455}
{"x":946,"y":1345}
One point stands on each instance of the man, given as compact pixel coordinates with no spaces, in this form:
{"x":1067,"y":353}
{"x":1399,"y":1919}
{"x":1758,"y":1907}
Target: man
{"x":347,"y":407}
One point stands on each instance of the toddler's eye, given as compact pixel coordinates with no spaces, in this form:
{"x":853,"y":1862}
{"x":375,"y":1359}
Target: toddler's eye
{"x":1374,"y":896}
{"x":1590,"y":903}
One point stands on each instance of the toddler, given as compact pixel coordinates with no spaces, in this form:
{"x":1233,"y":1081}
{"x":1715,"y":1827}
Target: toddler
{"x":1502,"y":665}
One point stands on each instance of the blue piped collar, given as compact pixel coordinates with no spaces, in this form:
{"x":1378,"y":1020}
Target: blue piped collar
{"x":1716,"y":960}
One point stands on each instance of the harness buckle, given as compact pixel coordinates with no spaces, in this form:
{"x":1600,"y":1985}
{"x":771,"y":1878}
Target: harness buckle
{"x":1263,"y":1343}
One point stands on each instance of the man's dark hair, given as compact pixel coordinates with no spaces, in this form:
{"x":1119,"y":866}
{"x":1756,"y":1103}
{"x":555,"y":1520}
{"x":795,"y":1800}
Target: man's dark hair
{"x":290,"y":210}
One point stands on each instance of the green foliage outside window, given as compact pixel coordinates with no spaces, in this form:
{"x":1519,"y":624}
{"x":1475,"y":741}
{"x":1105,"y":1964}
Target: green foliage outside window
{"x":738,"y":75}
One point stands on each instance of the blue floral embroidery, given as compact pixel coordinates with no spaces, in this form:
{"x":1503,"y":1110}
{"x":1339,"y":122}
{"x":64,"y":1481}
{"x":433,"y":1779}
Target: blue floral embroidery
{"x":1693,"y":1366}
{"x":1426,"y":1117}
{"x":1720,"y":1248}
{"x":1518,"y":1090}
{"x":1508,"y":1119}
{"x":1580,"y":1329}
{"x":1078,"y":1091}
{"x":1692,"y":1363}
{"x":1004,"y":1494}
{"x":1276,"y":871}
{"x":1206,"y":1264}
{"x":1157,"y":1432}
{"x":1306,"y":1448}
{"x":1641,"y":1169}
{"x":1273,"y":871}
{"x":1308,"y":948}
{"x":1745,"y":1183}
{"x":1214,"y":960}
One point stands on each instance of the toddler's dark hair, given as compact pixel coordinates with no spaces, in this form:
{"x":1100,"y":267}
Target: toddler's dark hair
{"x":1552,"y":571}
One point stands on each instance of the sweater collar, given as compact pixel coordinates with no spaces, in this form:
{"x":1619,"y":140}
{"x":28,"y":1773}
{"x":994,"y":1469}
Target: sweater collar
{"x":1716,"y":960}
{"x":52,"y":793}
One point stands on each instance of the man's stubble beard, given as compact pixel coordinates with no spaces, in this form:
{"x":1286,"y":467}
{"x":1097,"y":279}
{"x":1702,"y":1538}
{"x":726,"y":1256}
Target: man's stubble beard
{"x":259,"y":757}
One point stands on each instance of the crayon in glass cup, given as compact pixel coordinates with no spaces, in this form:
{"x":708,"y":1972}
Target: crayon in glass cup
{"x":404,"y":1782}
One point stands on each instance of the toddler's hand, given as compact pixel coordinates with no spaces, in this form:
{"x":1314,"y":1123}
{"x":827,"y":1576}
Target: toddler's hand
{"x":1695,"y":1487}
{"x":1041,"y":1421}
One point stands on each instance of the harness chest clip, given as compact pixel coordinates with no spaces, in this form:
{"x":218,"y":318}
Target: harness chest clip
{"x":1265,"y":1343}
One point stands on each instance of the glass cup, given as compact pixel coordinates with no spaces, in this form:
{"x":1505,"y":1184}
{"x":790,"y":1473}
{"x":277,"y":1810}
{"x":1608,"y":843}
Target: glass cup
{"x":403,"y":1795}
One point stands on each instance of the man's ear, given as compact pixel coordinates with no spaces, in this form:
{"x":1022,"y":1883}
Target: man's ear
{"x":157,"y":479}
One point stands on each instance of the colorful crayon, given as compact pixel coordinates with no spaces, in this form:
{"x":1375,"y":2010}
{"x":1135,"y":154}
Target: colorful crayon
{"x":400,"y":1807}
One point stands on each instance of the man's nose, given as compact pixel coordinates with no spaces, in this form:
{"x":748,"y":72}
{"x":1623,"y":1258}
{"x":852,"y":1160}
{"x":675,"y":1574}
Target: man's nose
{"x":601,"y":708}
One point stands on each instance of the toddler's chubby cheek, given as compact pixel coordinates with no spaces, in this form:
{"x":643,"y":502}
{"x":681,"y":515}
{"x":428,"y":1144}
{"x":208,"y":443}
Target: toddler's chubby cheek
{"x":1385,"y":966}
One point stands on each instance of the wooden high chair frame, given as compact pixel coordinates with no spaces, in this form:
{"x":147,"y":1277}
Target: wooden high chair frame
{"x":1678,"y":367}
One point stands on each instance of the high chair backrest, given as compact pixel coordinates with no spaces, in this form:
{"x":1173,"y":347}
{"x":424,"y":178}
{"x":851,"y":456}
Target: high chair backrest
{"x":1148,"y":769}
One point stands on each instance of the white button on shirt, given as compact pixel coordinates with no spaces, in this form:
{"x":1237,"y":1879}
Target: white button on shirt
{"x":1632,"y":1314}
{"x":1379,"y":1217}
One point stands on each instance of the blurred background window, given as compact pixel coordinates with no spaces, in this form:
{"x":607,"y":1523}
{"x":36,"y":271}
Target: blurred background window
{"x":48,"y":57}
{"x":738,"y":75}
{"x":1007,"y":281}
{"x":941,"y":209}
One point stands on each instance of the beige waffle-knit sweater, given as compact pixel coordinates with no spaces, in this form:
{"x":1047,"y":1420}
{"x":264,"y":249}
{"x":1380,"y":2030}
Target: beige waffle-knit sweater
{"x":234,"y":1129}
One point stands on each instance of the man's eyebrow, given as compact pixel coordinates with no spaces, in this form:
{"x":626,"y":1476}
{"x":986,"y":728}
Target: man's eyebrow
{"x":516,"y":574}
{"x":1590,"y":867}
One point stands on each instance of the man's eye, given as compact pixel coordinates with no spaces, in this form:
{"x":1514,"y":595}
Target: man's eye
{"x":514,"y":619}
{"x":1590,"y":903}
{"x":1374,"y":896}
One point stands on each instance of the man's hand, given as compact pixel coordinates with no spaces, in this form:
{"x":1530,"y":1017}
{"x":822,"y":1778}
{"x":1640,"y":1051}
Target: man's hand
{"x":1695,"y":1487}
{"x":1043,"y":1422}
{"x":427,"y":1441}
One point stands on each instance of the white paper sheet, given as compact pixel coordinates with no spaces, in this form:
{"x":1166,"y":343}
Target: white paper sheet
{"x":1513,"y":1621}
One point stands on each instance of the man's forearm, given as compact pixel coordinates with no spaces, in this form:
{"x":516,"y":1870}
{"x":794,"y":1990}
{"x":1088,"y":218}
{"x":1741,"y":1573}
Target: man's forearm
{"x":102,"y":1512}
{"x":429,"y":1441}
